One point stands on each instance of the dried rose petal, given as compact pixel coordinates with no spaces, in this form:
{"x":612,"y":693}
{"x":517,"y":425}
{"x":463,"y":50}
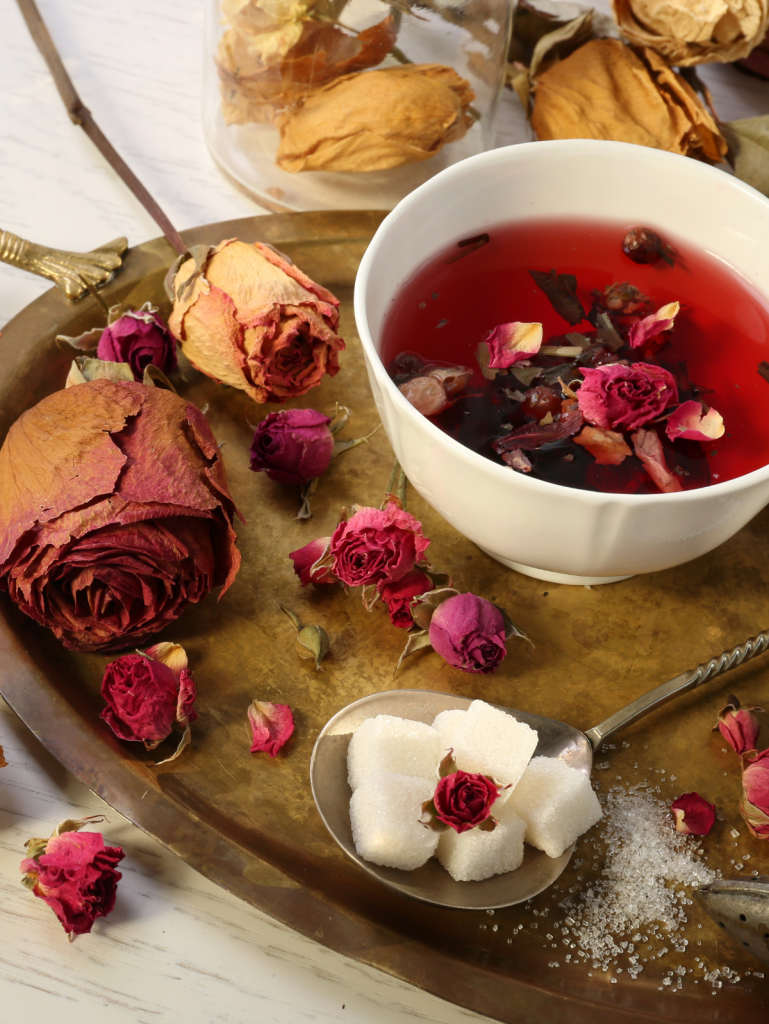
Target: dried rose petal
{"x":648,"y":448}
{"x":512,"y":343}
{"x":738,"y":725}
{"x":607,"y":446}
{"x":426,"y":394}
{"x":694,"y":816}
{"x":689,"y":421}
{"x":271,"y":725}
{"x":517,"y":460}
{"x":643,"y":330}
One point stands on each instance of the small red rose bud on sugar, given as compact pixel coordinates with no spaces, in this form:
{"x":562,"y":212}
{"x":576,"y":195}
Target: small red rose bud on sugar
{"x":377,"y":546}
{"x":292,"y":446}
{"x":246,"y":316}
{"x":271,"y":726}
{"x":305,"y":563}
{"x":754,"y":802}
{"x":74,"y":873}
{"x":139,"y":338}
{"x":739,"y":725}
{"x":469,"y":633}
{"x":463,"y":800}
{"x":693,"y":815}
{"x":399,"y":595}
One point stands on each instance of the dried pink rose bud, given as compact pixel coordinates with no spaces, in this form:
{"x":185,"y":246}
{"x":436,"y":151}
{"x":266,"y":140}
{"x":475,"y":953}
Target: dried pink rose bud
{"x":399,"y":595}
{"x":739,"y":725}
{"x":694,"y":815}
{"x":690,"y":421}
{"x":754,"y":802}
{"x":426,"y":394}
{"x":304,"y":560}
{"x":292,"y":446}
{"x":377,"y":546}
{"x":271,"y":726}
{"x":139,"y":337}
{"x":469,"y":633}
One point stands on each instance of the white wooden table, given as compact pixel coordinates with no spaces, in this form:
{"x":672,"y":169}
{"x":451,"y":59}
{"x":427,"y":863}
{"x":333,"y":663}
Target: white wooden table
{"x":176,"y":948}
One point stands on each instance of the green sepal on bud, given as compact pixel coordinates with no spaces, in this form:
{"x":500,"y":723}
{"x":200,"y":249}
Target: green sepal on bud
{"x":430,"y":818}
{"x":313,"y":642}
{"x":448,"y":765}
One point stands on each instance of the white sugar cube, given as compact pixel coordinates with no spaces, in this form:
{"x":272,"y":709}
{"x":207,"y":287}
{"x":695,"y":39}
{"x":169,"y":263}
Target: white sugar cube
{"x":446,"y":724}
{"x":385,"y":812}
{"x":389,"y":744}
{"x":491,"y":742}
{"x":557,"y":803}
{"x":474,"y":855}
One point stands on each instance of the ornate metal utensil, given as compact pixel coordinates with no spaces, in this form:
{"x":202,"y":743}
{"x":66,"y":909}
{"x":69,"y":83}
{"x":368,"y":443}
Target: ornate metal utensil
{"x":741,"y":907}
{"x":74,"y":272}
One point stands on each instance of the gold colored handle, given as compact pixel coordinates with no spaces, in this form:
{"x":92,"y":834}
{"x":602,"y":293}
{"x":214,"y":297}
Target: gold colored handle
{"x":74,"y":272}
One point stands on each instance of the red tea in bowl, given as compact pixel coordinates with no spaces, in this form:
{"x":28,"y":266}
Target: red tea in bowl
{"x":684,"y":325}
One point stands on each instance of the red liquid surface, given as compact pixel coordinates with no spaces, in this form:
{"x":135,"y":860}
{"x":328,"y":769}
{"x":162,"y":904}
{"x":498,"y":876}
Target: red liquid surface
{"x":721,"y":334}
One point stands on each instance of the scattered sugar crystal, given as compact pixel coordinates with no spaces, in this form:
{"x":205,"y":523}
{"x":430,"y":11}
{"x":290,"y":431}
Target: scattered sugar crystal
{"x":384,"y":812}
{"x":557,"y":803}
{"x":446,"y":724}
{"x":474,"y":855}
{"x":494,"y":743}
{"x":734,"y":834}
{"x":390,"y":744}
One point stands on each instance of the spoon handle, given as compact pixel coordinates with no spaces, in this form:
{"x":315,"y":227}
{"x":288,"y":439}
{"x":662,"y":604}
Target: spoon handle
{"x":675,"y":687}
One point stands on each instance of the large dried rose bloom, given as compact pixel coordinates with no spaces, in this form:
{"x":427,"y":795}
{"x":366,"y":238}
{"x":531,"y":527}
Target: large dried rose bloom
{"x":399,"y":595}
{"x":377,"y":546}
{"x":114,"y":513}
{"x":292,"y":446}
{"x":74,"y":873}
{"x":464,"y":800}
{"x":139,"y":337}
{"x":754,"y":802}
{"x":694,"y":33}
{"x":625,"y":397}
{"x":246,"y":316}
{"x":469,"y":633}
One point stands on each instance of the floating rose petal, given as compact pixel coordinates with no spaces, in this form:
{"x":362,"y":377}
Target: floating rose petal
{"x":694,"y":815}
{"x":517,"y":460}
{"x":512,"y":343}
{"x":426,"y":394}
{"x":653,"y":325}
{"x":689,"y":421}
{"x":648,"y":448}
{"x":607,"y":446}
{"x":271,"y":726}
{"x":738,"y":725}
{"x":535,"y":435}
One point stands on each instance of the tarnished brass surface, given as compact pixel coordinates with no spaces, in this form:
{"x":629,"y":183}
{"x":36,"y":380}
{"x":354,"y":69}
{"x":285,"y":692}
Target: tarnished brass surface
{"x":73,"y":272}
{"x":250,"y":823}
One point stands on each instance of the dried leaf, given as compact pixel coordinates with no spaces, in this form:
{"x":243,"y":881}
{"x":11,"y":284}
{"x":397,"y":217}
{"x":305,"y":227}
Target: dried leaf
{"x":376,"y":120}
{"x":292,"y":617}
{"x":307,"y":493}
{"x":423,"y":607}
{"x":155,"y":378}
{"x":558,"y":44}
{"x":749,"y":150}
{"x":86,"y":368}
{"x":416,"y":642}
{"x":605,"y":90}
{"x":561,"y":290}
{"x":184,"y":742}
{"x":608,"y":335}
{"x":687,"y":33}
{"x":86,"y":342}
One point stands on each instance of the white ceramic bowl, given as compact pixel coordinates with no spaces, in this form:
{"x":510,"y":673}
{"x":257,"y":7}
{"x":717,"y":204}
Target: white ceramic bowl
{"x":557,"y":533}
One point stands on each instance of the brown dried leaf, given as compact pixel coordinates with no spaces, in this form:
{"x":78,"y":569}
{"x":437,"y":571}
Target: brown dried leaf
{"x":376,"y":120}
{"x":749,"y":150}
{"x":694,"y":33}
{"x":606,"y":90}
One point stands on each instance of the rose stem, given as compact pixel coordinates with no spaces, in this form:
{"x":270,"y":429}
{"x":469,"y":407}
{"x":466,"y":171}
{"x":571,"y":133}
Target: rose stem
{"x":81,"y":115}
{"x":397,"y":485}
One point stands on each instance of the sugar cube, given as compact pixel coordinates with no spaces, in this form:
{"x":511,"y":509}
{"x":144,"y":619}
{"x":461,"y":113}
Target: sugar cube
{"x":390,"y":744}
{"x":493,"y":743}
{"x":557,"y":803}
{"x":474,"y":855}
{"x":385,"y":812}
{"x":446,"y":724}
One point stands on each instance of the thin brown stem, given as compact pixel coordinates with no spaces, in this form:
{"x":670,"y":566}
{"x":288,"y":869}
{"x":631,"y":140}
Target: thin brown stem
{"x":80,"y":114}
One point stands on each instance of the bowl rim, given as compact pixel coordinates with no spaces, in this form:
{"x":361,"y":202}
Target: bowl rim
{"x":502,"y":155}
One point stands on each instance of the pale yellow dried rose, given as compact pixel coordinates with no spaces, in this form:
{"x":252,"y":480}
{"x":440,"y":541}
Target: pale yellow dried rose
{"x":606,"y":90}
{"x":376,"y":120}
{"x":687,"y":32}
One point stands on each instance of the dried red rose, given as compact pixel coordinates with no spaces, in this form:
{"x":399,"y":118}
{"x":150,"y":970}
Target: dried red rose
{"x":377,"y":546}
{"x":74,"y":873}
{"x":246,"y":316}
{"x":469,"y":633}
{"x":464,"y":800}
{"x":139,"y":337}
{"x":693,"y":815}
{"x":292,"y":446}
{"x":399,"y":595}
{"x":739,"y":725}
{"x":114,"y":513}
{"x":754,"y":802}
{"x":617,"y":396}
{"x":271,"y":726}
{"x":304,"y":560}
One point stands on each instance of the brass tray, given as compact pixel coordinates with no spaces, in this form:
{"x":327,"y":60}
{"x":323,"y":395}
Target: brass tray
{"x":249,"y":823}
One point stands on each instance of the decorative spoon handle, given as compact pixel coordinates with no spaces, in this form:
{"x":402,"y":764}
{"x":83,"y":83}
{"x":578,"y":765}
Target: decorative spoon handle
{"x":73,"y":272}
{"x":675,"y":687}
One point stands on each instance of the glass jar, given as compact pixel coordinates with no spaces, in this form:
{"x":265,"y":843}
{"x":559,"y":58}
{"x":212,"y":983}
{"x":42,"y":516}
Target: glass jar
{"x":349,"y":104}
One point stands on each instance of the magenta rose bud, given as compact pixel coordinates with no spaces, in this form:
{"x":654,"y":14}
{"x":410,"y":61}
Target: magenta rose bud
{"x":74,"y":873}
{"x":305,"y":558}
{"x":139,"y":338}
{"x":754,"y":802}
{"x":377,"y":546}
{"x":292,"y":446}
{"x":399,"y":595}
{"x":145,"y":697}
{"x":626,"y":397}
{"x":469,"y":633}
{"x":464,"y":800}
{"x":693,"y":814}
{"x":739,"y":725}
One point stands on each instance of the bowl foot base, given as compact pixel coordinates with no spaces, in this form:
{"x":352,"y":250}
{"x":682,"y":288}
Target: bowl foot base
{"x":556,"y":577}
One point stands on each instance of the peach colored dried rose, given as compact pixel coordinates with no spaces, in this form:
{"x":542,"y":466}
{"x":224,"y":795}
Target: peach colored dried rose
{"x":694,"y":33}
{"x":606,"y":90}
{"x":374,"y":120}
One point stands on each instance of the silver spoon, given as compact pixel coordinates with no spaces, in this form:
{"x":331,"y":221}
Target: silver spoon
{"x":431,"y":883}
